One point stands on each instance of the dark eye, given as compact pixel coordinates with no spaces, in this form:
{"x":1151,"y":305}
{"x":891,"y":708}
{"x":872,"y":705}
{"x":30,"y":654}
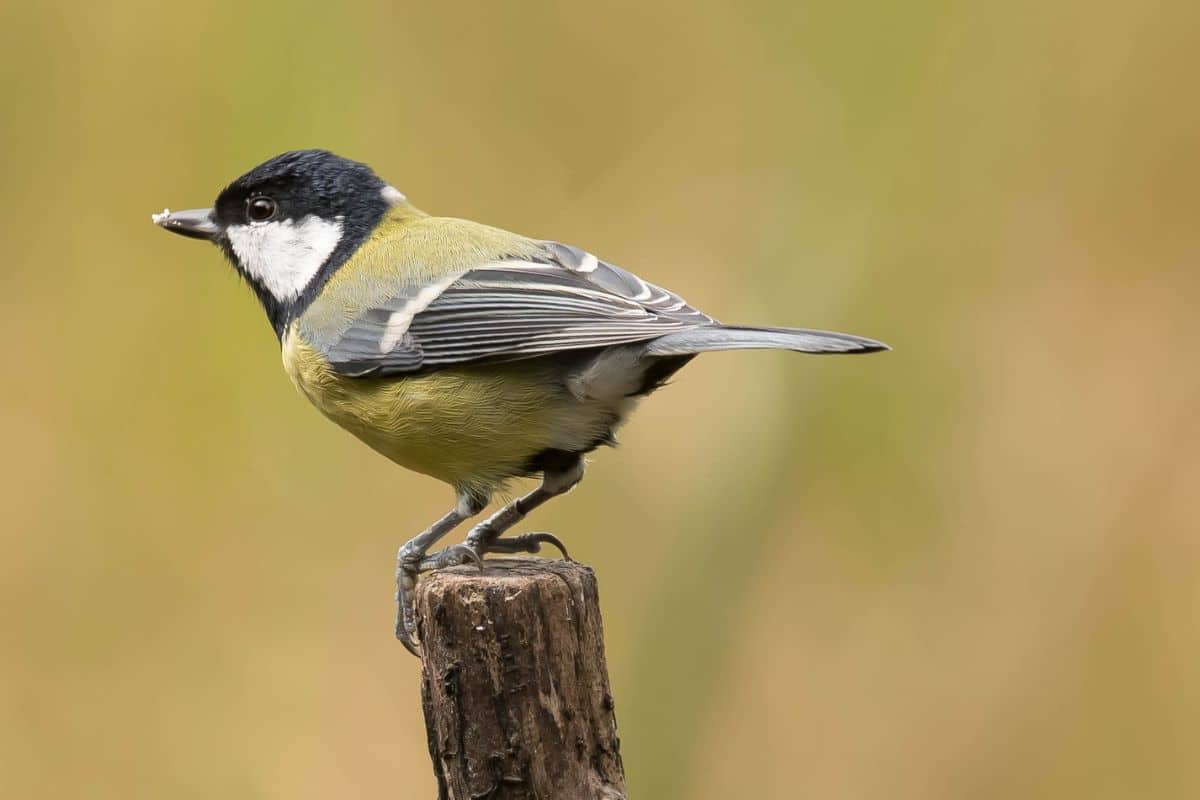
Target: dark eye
{"x":260,"y":209}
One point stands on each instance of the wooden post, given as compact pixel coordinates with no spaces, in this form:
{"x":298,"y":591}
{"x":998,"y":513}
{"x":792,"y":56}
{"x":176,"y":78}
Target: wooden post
{"x":514,"y":683}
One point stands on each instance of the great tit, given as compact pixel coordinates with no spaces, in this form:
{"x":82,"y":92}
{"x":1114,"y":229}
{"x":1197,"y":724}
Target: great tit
{"x":455,"y":349}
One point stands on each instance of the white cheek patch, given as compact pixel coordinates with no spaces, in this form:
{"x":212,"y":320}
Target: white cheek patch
{"x":283,"y":256}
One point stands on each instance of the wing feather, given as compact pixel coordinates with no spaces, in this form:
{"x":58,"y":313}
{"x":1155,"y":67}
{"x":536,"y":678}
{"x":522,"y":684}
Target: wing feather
{"x":562,"y":299}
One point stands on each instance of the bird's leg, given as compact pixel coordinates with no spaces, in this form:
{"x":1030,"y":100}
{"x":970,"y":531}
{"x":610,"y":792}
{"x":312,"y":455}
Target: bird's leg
{"x":485,"y":537}
{"x":409,"y":561}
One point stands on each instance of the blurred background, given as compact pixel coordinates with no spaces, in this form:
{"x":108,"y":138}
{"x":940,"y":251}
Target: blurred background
{"x":966,"y":568}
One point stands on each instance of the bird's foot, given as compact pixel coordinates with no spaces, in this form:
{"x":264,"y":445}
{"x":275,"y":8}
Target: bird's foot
{"x":409,"y":567}
{"x":453,"y":556}
{"x":459,"y":554}
{"x":527,"y":543}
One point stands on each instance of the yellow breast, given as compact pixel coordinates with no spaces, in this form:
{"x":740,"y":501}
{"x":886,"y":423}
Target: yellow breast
{"x":472,"y":427}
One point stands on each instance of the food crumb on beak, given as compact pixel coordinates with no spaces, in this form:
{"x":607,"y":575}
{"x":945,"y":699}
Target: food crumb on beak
{"x":158,"y":218}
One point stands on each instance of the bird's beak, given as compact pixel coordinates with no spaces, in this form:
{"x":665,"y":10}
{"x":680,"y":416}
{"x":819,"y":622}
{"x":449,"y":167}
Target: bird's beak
{"x":197,"y":223}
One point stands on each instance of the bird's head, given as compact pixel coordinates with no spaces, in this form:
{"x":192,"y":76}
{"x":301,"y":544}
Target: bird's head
{"x":289,"y":223}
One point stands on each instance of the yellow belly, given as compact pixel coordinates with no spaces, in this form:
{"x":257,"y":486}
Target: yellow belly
{"x":471,"y":427}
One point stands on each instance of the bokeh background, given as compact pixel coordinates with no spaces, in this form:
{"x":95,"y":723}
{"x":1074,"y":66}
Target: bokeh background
{"x":966,"y":568}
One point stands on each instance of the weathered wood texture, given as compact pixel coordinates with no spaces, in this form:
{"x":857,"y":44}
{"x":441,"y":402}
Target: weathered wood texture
{"x":514,"y":683}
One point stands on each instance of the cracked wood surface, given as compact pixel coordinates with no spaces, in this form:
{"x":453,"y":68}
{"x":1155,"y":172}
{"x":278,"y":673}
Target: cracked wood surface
{"x":514,"y":683}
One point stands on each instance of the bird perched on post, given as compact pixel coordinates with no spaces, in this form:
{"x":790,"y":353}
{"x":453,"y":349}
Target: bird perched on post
{"x":462,"y":351}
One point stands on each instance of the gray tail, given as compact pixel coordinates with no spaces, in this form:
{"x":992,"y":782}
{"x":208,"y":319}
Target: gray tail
{"x":735,"y":337}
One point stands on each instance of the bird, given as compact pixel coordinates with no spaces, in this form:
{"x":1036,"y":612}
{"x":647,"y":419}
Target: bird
{"x":459,"y":350}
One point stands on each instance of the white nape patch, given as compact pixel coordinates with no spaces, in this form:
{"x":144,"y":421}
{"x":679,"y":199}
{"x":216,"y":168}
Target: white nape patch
{"x":393,"y":196}
{"x":399,"y":320}
{"x":283,"y":256}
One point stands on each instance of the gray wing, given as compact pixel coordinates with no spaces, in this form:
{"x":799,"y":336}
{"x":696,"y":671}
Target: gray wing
{"x":561,"y":299}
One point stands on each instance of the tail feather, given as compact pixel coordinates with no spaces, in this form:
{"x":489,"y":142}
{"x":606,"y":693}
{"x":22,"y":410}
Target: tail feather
{"x":735,"y":337}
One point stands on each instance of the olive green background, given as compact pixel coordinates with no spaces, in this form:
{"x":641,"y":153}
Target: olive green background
{"x":966,"y":568}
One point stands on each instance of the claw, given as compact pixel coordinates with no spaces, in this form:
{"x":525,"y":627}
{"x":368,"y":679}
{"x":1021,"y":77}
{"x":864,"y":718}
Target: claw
{"x":452,"y":556}
{"x":410,"y":644}
{"x":528,"y":543}
{"x":406,"y":623}
{"x":548,"y":538}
